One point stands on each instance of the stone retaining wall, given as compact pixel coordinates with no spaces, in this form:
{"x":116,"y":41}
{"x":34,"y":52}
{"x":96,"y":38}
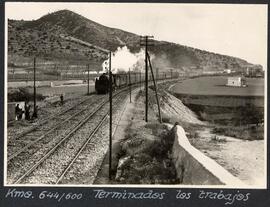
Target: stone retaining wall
{"x":195,"y":168}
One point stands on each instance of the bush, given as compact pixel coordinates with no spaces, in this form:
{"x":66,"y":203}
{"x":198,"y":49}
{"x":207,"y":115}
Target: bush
{"x":22,"y":94}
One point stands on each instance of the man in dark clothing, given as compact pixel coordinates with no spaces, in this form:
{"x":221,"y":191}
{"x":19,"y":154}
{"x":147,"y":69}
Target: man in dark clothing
{"x":27,"y":112}
{"x":62,"y":99}
{"x":17,"y":111}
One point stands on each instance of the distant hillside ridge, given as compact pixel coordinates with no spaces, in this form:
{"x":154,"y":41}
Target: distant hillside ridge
{"x":67,"y":36}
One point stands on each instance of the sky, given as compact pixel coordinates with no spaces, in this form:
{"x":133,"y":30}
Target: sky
{"x":238,"y":30}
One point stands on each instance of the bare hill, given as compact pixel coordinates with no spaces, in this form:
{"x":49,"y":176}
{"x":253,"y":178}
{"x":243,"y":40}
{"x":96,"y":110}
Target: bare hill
{"x":67,"y":36}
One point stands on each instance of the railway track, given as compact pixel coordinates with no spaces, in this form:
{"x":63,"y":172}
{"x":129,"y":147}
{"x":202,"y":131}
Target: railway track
{"x":85,"y":166}
{"x":49,"y":155}
{"x":47,"y":127}
{"x":46,"y":120}
{"x":26,"y":163}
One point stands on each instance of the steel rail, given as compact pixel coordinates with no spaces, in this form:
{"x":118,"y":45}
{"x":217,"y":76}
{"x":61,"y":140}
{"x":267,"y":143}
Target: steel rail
{"x":15,"y":154}
{"x":82,"y":148}
{"x":61,"y":141}
{"x":49,"y":118}
{"x":29,"y":171}
{"x":87,"y":141}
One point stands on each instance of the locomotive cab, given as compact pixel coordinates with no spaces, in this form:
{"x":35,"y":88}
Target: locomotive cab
{"x":102,"y":84}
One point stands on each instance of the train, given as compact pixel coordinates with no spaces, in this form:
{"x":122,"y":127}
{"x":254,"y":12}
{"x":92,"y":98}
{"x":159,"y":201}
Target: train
{"x":120,"y":80}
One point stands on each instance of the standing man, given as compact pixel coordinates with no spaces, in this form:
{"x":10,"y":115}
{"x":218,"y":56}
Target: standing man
{"x":27,"y":111}
{"x":17,"y":111}
{"x":62,"y":99}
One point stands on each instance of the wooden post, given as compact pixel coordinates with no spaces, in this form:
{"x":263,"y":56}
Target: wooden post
{"x":88,"y":79}
{"x":140,"y":81}
{"x":35,"y":85}
{"x":146,"y":81}
{"x":110,"y":127}
{"x":129,"y":85}
{"x":155,"y":86}
{"x":146,"y":41}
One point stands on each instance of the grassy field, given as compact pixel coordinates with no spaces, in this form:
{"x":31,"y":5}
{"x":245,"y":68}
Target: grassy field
{"x":50,"y":91}
{"x":216,"y":86}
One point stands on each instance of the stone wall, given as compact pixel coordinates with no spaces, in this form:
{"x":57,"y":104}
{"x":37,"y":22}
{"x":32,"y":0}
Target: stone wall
{"x":195,"y":168}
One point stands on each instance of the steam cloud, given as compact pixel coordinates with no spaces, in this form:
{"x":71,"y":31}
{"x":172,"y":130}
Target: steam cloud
{"x":123,"y":60}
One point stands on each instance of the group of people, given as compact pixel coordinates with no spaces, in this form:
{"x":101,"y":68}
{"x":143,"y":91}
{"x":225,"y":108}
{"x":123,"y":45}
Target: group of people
{"x":27,"y":107}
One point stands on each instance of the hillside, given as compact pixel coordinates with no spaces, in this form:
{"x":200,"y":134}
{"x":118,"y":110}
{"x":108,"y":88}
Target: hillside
{"x":69,"y":37}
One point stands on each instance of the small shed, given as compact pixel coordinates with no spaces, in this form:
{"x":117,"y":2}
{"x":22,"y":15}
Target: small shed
{"x":236,"y":82}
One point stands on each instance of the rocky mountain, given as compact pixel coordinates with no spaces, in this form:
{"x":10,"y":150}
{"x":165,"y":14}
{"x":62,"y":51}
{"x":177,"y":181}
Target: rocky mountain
{"x":70,"y":37}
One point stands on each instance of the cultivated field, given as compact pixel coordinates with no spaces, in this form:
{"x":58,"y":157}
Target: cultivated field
{"x":216,"y":86}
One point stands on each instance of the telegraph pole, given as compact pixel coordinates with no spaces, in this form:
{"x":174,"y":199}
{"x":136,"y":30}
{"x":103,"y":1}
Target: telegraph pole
{"x":146,"y":80}
{"x":110,"y":128}
{"x":140,"y":80}
{"x":129,"y":85}
{"x":35,"y":108}
{"x":88,"y":79}
{"x":155,"y":86}
{"x":146,"y":41}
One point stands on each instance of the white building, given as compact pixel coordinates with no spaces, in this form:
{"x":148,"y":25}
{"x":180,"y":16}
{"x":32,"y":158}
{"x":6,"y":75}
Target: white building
{"x":236,"y":82}
{"x":228,"y":71}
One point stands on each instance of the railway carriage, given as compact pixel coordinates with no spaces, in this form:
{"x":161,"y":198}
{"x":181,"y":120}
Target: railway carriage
{"x":122,"y":79}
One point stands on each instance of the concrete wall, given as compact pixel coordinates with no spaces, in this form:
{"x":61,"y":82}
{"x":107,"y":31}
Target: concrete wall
{"x":194,"y":168}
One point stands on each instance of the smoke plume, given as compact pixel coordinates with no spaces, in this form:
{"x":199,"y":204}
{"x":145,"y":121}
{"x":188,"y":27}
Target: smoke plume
{"x":122,"y":60}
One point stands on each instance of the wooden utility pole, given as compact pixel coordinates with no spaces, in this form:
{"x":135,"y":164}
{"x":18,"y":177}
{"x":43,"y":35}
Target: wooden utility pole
{"x":155,"y":86}
{"x":140,"y":81}
{"x":88,"y":79}
{"x":129,"y":81}
{"x":146,"y":81}
{"x":35,"y":108}
{"x":110,"y":128}
{"x":145,"y":41}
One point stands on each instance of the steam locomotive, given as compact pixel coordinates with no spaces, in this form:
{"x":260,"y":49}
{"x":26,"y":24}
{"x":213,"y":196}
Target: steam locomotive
{"x":124,"y":79}
{"x":102,"y":84}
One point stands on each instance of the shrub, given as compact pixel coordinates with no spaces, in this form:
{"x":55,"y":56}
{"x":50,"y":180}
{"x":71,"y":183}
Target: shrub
{"x":22,"y":94}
